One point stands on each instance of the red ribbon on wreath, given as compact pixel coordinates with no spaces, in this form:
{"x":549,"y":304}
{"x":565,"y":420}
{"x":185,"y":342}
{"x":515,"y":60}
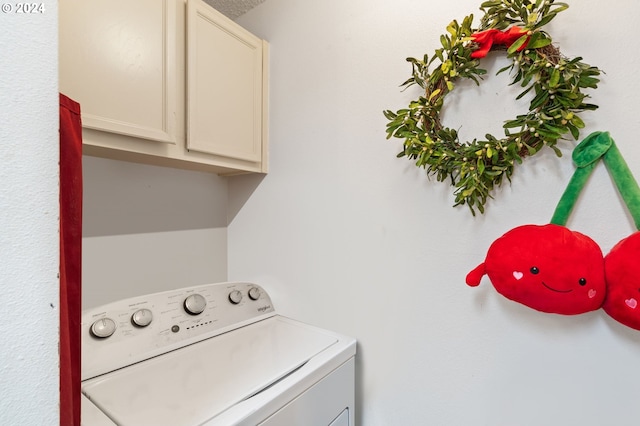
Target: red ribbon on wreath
{"x":486,"y":39}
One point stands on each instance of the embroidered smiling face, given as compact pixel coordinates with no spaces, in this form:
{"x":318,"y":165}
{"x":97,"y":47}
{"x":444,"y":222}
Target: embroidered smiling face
{"x":622,"y":270}
{"x":548,"y":268}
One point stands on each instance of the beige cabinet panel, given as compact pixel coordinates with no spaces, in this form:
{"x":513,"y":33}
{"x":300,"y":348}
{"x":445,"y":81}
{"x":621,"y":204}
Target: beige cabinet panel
{"x":126,"y":63}
{"x":224,"y":80}
{"x":115,"y":60}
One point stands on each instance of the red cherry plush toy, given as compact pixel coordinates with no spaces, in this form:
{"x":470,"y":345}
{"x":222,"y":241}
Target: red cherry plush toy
{"x":622,"y":264}
{"x":548,"y":268}
{"x":551,"y":268}
{"x":622,"y":271}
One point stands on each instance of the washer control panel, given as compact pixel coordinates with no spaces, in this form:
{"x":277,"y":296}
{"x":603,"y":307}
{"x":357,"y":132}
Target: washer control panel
{"x":131,"y":330}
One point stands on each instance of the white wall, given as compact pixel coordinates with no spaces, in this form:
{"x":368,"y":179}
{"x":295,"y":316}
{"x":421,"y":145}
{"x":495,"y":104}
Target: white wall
{"x":29,"y":244}
{"x":348,"y":237}
{"x":149,"y":229}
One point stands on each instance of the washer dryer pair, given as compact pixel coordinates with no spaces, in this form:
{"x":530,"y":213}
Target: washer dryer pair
{"x":215,"y":354}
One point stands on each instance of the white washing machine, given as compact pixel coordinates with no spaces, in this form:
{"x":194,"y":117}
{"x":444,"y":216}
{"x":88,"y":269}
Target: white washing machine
{"x":215,"y":354}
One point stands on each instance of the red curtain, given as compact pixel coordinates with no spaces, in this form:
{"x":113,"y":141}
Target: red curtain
{"x":70,"y":259}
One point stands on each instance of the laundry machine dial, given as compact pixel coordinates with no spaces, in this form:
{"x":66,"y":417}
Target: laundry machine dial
{"x":142,"y":317}
{"x":254,"y":293}
{"x":235,"y":297}
{"x":195,"y":304}
{"x":103,"y":328}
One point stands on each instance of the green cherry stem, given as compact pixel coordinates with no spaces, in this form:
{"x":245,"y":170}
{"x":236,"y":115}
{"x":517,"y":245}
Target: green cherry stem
{"x":571,"y":194}
{"x":585,"y":156}
{"x":625,"y":182}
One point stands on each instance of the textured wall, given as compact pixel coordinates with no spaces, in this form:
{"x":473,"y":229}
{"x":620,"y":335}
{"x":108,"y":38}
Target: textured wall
{"x":29,"y":218}
{"x":348,"y":237}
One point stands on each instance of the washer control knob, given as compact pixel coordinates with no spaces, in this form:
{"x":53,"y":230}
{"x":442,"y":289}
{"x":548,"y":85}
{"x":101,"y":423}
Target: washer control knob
{"x":254,"y":293}
{"x":235,"y":297}
{"x":103,"y":328}
{"x":142,"y":318}
{"x":195,"y":304}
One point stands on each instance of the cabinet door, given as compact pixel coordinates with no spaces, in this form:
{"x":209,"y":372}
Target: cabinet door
{"x":224,"y":86}
{"x":118,"y":60}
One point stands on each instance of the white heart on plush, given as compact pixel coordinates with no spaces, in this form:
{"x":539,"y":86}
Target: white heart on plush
{"x":632,"y":303}
{"x":592,"y":293}
{"x":517,"y":275}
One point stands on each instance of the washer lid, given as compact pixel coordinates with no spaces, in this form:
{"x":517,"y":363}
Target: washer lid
{"x":192,"y":385}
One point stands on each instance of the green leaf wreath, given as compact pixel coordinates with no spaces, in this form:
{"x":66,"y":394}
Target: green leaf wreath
{"x":556,"y":83}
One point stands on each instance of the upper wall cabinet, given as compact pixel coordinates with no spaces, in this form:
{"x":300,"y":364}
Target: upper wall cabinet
{"x":166,"y":82}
